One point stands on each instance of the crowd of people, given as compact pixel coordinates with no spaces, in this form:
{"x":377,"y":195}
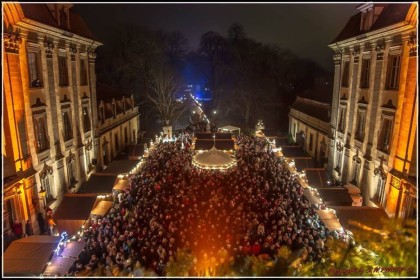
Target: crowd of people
{"x":199,"y":123}
{"x":218,"y":216}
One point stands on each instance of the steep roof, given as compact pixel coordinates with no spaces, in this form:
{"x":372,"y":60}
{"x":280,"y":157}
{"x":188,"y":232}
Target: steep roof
{"x":105,"y":92}
{"x":321,"y":93}
{"x":79,"y":26}
{"x":391,"y":14}
{"x":40,"y":13}
{"x":312,"y":108}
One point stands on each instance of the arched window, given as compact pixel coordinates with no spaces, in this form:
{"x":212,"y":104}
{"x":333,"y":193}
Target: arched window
{"x":46,"y":183}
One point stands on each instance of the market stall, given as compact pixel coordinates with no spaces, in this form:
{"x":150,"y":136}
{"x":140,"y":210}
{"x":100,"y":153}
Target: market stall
{"x":29,"y":256}
{"x":74,"y":211}
{"x":61,"y":263}
{"x":102,"y":208}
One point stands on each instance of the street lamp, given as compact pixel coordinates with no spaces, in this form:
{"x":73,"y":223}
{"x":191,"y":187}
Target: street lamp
{"x":214,"y":112}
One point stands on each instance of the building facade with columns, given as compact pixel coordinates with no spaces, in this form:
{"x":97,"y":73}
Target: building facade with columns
{"x":374,"y":107}
{"x":49,"y":107}
{"x":118,"y":123}
{"x":309,"y":120}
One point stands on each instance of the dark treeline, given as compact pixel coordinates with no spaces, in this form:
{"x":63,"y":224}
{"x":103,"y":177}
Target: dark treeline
{"x":249,"y":80}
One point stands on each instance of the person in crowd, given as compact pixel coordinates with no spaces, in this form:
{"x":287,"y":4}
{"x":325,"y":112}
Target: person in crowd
{"x":219,"y":216}
{"x":28,"y":228}
{"x":17,"y":229}
{"x":41,"y":223}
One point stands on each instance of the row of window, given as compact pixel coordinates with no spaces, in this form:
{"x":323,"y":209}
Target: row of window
{"x":385,"y":133}
{"x":35,"y":70}
{"x":41,"y":132}
{"x":392,"y":77}
{"x":71,"y":179}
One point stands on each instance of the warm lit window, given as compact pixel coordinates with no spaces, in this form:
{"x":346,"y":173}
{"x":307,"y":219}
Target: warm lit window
{"x":384,"y":141}
{"x":83,"y":72}
{"x":346,"y":72}
{"x":34,"y":65}
{"x":393,"y":74}
{"x":360,"y":125}
{"x":68,"y":132}
{"x":86,"y":119}
{"x":41,"y":136}
{"x":62,"y":69}
{"x":364,"y":78}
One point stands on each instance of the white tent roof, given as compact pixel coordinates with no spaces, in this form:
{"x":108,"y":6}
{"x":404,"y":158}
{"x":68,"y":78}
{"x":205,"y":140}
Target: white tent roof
{"x":213,"y":159}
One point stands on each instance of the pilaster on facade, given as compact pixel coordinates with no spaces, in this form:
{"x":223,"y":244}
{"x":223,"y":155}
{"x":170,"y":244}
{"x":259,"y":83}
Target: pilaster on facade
{"x":33,"y":79}
{"x":388,"y":100}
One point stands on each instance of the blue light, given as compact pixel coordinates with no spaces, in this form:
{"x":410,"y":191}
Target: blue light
{"x":63,"y":237}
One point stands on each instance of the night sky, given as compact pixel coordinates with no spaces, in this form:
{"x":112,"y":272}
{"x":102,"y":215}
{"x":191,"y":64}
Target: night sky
{"x":306,"y":29}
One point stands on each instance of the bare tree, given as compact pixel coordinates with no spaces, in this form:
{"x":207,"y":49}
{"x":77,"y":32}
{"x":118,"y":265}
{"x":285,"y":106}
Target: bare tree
{"x":163,"y":97}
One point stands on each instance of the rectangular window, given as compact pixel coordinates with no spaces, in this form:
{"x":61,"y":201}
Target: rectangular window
{"x":393,"y":73}
{"x":364,"y":78}
{"x":339,"y":160}
{"x":70,"y":173}
{"x":360,"y":126}
{"x":88,"y":161}
{"x":117,"y":146}
{"x":34,"y":65}
{"x":341,"y":123}
{"x":41,"y":136}
{"x":125,"y":135}
{"x":356,"y":170}
{"x":62,"y":69}
{"x":83,"y":72}
{"x":310,"y":141}
{"x":346,"y":72}
{"x":86,"y":119}
{"x":380,"y":190}
{"x":385,"y":135}
{"x":68,"y":132}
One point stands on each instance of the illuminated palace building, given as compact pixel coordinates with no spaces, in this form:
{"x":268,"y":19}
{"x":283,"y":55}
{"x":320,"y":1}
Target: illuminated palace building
{"x":374,"y":106}
{"x":49,"y":107}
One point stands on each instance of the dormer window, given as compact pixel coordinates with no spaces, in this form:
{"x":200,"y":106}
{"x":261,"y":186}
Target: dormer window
{"x":63,"y":19}
{"x":369,"y":15}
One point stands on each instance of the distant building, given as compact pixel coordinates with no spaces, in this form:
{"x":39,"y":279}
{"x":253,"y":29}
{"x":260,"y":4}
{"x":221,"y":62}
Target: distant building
{"x":374,"y":106}
{"x":49,"y":107}
{"x":309,"y":120}
{"x":118,"y":122}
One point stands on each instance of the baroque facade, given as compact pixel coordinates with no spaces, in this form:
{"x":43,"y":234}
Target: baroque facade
{"x":374,"y":106}
{"x":49,"y":108}
{"x":118,"y":123}
{"x":309,"y":126}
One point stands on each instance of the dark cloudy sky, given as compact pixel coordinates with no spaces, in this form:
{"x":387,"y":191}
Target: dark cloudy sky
{"x":306,"y":29}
